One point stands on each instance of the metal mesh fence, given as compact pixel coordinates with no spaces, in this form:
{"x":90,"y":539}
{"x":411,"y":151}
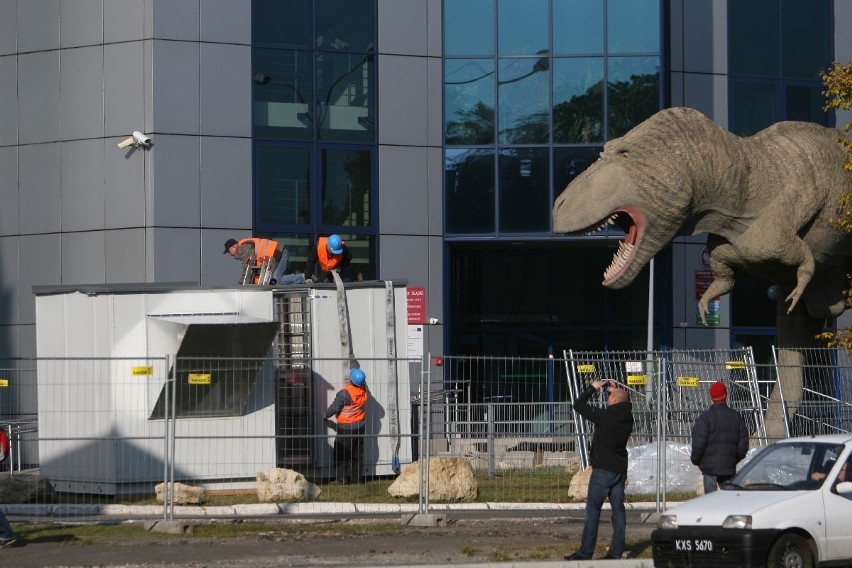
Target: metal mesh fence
{"x":102,"y":433}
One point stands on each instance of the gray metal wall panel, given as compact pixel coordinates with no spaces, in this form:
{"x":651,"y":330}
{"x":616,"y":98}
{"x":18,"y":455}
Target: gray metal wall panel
{"x":435,"y":184}
{"x":124,"y":20}
{"x":173,"y":255}
{"x":175,"y":19}
{"x":219,"y":269}
{"x":435,"y":32}
{"x":81,"y":22}
{"x":403,"y":191}
{"x":38,"y":97}
{"x":226,"y":21}
{"x":434,"y":103}
{"x":705,"y":50}
{"x":225,"y":72}
{"x":82,"y":184}
{"x":82,"y":91}
{"x":83,"y":259}
{"x":9,"y":191}
{"x":9,"y":280}
{"x":709,"y":94}
{"x":402,"y":92}
{"x":124,"y":186}
{"x":174,"y":185}
{"x":40,"y":21}
{"x":9,"y":95}
{"x":39,"y":188}
{"x":8,"y":26}
{"x":125,"y":255}
{"x":40,"y":264}
{"x":124,"y":88}
{"x":226,"y":173}
{"x":175,"y":87}
{"x":404,"y":257}
{"x":402,"y":27}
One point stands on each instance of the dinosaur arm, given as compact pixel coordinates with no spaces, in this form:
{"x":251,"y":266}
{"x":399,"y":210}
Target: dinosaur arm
{"x":724,"y":259}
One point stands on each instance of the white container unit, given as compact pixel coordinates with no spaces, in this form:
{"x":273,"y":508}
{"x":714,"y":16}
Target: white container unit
{"x":105,"y":353}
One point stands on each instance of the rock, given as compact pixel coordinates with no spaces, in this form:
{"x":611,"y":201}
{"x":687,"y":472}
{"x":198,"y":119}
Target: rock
{"x":24,"y":488}
{"x":579,"y":486}
{"x":280,"y":484}
{"x":182,"y":494}
{"x":450,"y":479}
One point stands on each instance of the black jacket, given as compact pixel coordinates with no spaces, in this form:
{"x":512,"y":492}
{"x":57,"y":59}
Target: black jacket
{"x":719,"y":440}
{"x":613,"y":426}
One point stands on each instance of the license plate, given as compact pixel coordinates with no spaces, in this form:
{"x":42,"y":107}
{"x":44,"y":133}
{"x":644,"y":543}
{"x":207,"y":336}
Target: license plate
{"x":693,"y":545}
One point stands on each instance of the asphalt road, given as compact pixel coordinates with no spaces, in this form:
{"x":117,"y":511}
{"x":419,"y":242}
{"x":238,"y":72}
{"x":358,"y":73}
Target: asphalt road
{"x":525,"y":538}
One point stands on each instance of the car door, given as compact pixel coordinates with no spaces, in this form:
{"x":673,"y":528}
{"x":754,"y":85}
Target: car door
{"x":838,"y":520}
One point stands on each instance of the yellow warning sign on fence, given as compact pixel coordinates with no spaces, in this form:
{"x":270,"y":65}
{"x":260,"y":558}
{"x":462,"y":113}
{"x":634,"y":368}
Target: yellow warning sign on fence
{"x":200,"y":378}
{"x":142,"y":371}
{"x":734,"y":365}
{"x":585,"y":368}
{"x":4,"y":382}
{"x":637,"y":380}
{"x":687,"y":381}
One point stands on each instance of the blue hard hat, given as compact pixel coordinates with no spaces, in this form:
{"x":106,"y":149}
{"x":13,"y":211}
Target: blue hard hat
{"x":357,"y":377}
{"x":335,"y":244}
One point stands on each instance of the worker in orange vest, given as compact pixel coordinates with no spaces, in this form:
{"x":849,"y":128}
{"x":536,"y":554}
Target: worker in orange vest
{"x":263,"y":249}
{"x":330,"y":254}
{"x":348,"y":407}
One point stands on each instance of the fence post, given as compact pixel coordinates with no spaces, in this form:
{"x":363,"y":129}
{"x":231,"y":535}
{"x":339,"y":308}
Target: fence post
{"x":489,"y":438}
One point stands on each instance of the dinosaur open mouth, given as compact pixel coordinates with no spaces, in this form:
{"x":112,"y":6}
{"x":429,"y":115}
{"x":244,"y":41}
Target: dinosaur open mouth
{"x":626,"y":248}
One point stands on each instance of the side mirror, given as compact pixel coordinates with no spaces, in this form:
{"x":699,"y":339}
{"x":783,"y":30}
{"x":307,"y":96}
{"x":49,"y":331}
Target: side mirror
{"x":844,"y":487}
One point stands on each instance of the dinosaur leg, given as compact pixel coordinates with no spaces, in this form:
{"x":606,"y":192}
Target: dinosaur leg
{"x":723,"y":260}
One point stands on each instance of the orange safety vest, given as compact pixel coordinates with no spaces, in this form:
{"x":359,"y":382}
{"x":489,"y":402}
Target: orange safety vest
{"x":354,"y":412}
{"x":327,"y":261}
{"x":263,"y":248}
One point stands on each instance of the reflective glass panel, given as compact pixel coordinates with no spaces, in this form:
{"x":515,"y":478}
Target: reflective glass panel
{"x":807,"y":38}
{"x":283,"y":94}
{"x":346,"y":101}
{"x":754,"y":106}
{"x":753,"y":37}
{"x":578,"y":100}
{"x":522,"y":27}
{"x":633,"y":92}
{"x":283,"y":185}
{"x":344,"y":25}
{"x":347,"y":178}
{"x":469,"y":185}
{"x":524,"y":100}
{"x":804,"y":102}
{"x":468,"y":27}
{"x":469,"y":101}
{"x":524,"y":182}
{"x":568,"y":163}
{"x":282,"y":23}
{"x":633,"y":26}
{"x":578,"y":26}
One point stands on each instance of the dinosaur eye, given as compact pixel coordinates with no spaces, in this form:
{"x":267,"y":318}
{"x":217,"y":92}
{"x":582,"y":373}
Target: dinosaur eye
{"x":624,"y":155}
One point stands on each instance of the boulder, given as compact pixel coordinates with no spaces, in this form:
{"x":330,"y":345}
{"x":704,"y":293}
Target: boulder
{"x":182,"y":494}
{"x":24,"y":488}
{"x":450,"y":479}
{"x":579,"y":485}
{"x":280,"y":484}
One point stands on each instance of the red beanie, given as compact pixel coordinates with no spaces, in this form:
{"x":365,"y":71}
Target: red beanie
{"x":718,"y":392}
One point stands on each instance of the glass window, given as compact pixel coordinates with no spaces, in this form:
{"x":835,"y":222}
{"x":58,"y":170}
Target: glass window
{"x":283,"y":185}
{"x":805,"y":102}
{"x":346,"y":102}
{"x":633,"y":26}
{"x":806,"y":33}
{"x":633,"y":92}
{"x":524,"y":100}
{"x":753,"y":37}
{"x":578,"y":26}
{"x":754,"y":106}
{"x":282,"y":23}
{"x":524,"y":182}
{"x":568,"y":163}
{"x":346,"y":25}
{"x":283,"y":94}
{"x":469,"y":101}
{"x":522,"y":27}
{"x":469,"y":27}
{"x":469,"y":189}
{"x":578,"y":100}
{"x":346,"y":187}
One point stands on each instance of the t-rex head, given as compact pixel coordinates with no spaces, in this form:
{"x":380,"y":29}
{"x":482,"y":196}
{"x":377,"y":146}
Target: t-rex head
{"x":643,"y":182}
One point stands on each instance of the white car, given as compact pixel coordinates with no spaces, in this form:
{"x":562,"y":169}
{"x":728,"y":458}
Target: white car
{"x":789,"y":506}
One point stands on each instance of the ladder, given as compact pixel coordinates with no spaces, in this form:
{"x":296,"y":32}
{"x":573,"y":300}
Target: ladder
{"x":260,"y":274}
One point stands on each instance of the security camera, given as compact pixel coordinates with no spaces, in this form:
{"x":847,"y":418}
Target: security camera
{"x":138,"y":139}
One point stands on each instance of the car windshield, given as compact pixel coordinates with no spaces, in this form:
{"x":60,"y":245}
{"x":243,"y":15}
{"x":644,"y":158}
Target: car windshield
{"x":787,"y":467}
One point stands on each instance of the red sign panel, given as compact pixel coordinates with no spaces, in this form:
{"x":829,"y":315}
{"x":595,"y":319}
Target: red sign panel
{"x":416,"y":305}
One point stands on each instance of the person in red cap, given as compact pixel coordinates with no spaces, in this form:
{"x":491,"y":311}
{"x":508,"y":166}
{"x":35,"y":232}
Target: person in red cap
{"x":719,"y":440}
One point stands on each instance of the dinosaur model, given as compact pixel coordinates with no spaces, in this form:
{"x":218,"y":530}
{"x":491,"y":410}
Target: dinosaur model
{"x":765,"y":201}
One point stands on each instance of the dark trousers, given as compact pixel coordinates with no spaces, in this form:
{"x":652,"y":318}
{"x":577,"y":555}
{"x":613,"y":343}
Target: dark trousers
{"x":349,"y":454}
{"x":603,"y":484}
{"x":713,"y":482}
{"x":6,"y":531}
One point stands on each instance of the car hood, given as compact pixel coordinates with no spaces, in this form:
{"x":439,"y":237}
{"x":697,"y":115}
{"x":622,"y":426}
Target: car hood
{"x":713,"y":509}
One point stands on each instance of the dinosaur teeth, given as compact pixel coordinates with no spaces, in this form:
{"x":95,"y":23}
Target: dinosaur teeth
{"x":619,"y":259}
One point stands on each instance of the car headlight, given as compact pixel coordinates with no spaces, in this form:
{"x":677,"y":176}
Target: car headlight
{"x":737,"y":522}
{"x":668,"y":522}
